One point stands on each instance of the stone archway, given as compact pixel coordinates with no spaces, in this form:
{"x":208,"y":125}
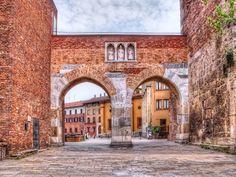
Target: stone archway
{"x":62,"y":83}
{"x":120,"y":87}
{"x":174,"y":76}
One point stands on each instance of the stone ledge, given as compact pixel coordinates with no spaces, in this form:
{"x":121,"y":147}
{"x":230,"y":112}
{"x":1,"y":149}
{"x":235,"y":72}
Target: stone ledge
{"x":220,"y":148}
{"x":182,"y":141}
{"x":121,"y":144}
{"x":56,"y":144}
{"x":24,"y":154}
{"x":3,"y":144}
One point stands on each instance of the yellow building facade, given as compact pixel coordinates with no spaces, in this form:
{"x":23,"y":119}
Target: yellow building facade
{"x":150,"y":107}
{"x":137,"y":114}
{"x":106,"y":121}
{"x":161,"y":111}
{"x":156,"y":106}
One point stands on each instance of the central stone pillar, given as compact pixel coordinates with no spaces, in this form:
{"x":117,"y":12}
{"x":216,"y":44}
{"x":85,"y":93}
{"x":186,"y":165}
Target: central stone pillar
{"x":121,"y":111}
{"x":146,"y":109}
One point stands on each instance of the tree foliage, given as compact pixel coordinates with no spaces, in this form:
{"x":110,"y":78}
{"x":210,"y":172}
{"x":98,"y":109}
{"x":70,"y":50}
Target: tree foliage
{"x":224,"y":15}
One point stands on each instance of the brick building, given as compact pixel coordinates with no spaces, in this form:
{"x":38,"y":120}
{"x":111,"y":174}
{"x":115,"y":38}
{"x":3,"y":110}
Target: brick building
{"x":74,"y":120}
{"x":26,"y":29}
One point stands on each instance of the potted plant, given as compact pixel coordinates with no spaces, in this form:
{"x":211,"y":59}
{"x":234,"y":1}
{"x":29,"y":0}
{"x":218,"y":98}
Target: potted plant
{"x":156,"y":131}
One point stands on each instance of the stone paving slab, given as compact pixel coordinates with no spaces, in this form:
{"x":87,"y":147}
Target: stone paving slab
{"x":148,"y":158}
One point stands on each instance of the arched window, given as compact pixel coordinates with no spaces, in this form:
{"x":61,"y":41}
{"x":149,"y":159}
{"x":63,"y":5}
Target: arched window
{"x":110,"y":52}
{"x":120,"y":52}
{"x":130,"y":52}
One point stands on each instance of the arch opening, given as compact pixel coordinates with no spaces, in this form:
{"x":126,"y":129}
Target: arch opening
{"x":157,"y":100}
{"x":85,"y":110}
{"x":60,"y":119}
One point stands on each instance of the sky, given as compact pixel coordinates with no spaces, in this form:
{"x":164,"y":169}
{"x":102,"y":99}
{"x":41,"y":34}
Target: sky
{"x":83,"y":91}
{"x":77,"y":16}
{"x":114,"y":16}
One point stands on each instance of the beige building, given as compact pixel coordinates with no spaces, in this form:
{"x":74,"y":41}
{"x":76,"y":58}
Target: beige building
{"x":94,"y":115}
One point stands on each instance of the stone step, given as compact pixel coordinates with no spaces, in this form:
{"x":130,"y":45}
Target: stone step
{"x":23,"y":154}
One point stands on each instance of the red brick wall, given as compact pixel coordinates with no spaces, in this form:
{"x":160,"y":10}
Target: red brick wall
{"x":195,"y":24}
{"x":29,"y":36}
{"x":84,"y":49}
{"x":79,"y":125}
{"x":5,"y":67}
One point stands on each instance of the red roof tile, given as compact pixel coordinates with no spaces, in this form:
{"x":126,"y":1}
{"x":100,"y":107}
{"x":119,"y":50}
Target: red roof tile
{"x":74,"y":104}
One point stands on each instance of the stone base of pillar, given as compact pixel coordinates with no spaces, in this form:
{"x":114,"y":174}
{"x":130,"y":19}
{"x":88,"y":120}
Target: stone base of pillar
{"x":56,"y":144}
{"x":121,"y":144}
{"x":56,"y":141}
{"x":182,"y":138}
{"x":232,"y":149}
{"x":120,"y":141}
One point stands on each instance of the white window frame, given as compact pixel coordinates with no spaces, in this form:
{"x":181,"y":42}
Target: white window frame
{"x":166,"y":104}
{"x":159,"y":104}
{"x":126,"y":45}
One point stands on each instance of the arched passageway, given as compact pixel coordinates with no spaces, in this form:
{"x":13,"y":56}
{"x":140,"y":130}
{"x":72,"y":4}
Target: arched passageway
{"x":120,"y":87}
{"x":160,"y":101}
{"x":86,"y":113}
{"x":175,"y":77}
{"x":61,"y":86}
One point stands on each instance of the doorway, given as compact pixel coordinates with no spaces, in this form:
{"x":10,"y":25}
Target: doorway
{"x":36,"y":143}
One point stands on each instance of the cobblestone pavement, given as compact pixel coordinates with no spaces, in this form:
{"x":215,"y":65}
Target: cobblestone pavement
{"x":146,"y":159}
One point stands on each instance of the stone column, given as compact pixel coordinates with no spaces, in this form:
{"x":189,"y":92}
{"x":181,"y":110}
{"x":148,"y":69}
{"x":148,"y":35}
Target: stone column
{"x":178,"y":74}
{"x":232,"y":97}
{"x":173,"y":118}
{"x":58,"y":82}
{"x":232,"y":113}
{"x":121,"y":111}
{"x":146,"y":109}
{"x":56,"y":123}
{"x":182,"y":135}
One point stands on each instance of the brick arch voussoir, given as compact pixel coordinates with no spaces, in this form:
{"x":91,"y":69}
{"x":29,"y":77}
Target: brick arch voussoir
{"x":98,"y":76}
